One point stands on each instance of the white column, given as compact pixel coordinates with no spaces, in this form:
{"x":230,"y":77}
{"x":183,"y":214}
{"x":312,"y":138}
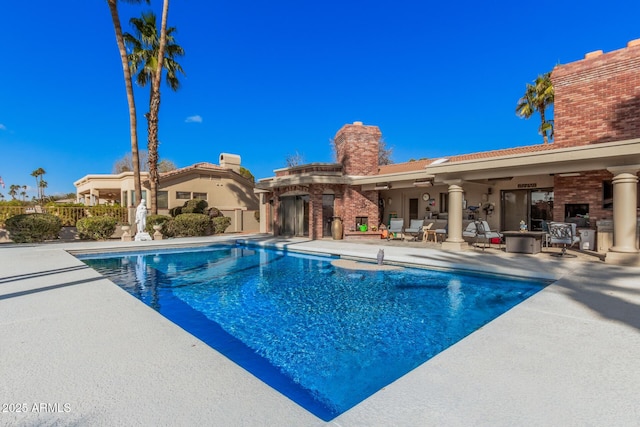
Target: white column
{"x":454,"y":240}
{"x":625,"y":199}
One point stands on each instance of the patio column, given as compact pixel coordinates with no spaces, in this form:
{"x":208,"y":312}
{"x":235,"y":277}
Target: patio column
{"x":625,"y":189}
{"x":454,"y":240}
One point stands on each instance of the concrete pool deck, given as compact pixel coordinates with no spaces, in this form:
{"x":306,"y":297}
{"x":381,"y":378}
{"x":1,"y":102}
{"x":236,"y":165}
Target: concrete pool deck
{"x":75,"y":349}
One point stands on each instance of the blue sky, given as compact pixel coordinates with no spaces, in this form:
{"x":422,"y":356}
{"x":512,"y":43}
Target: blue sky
{"x":267,"y":79}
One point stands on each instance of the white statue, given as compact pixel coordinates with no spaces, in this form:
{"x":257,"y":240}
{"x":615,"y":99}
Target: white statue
{"x":141,"y":216}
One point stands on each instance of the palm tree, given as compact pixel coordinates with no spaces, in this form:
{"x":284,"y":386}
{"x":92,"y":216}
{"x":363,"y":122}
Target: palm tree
{"x":133,"y":122}
{"x":13,"y":191}
{"x":41,"y":186}
{"x":149,"y":55}
{"x":37,"y":174}
{"x":23,"y":193}
{"x":538,"y":97}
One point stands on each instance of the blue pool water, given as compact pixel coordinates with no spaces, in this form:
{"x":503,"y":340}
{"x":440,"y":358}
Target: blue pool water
{"x":325,"y":337}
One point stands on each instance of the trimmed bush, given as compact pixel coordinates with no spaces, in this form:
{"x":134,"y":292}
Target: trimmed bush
{"x":220,"y":224}
{"x":214,"y":212}
{"x":195,"y":206}
{"x":29,"y":228}
{"x":156,"y":220}
{"x":96,"y":227}
{"x":174,"y":212}
{"x":189,"y":224}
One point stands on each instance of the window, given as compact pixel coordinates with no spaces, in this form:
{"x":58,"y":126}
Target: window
{"x":444,"y":202}
{"x":183,"y":195}
{"x":163,"y":200}
{"x":201,"y":196}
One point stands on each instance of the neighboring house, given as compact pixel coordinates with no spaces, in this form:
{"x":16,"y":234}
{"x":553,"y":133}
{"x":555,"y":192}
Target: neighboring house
{"x":589,"y":174}
{"x":222,"y":186}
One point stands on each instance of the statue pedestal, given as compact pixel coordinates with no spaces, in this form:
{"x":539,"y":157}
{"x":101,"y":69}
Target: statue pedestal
{"x":142,"y":236}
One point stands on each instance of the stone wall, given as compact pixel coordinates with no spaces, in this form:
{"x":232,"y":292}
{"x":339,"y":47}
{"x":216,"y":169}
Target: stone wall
{"x":597,"y":99}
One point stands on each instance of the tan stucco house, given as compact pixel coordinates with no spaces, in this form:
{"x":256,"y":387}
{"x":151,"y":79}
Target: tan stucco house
{"x":222,"y":186}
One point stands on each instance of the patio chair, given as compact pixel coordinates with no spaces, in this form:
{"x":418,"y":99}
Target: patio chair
{"x":396,"y":229}
{"x":563,"y":233}
{"x":428,"y":232}
{"x":484,"y":232}
{"x":415,"y":229}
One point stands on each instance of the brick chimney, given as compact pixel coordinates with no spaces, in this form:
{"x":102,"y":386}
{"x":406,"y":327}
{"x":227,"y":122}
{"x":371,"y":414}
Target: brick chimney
{"x":357,"y":148}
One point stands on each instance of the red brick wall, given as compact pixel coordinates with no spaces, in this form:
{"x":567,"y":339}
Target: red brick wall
{"x":586,"y":188}
{"x":357,"y":203}
{"x":357,"y":149}
{"x":597,"y":99}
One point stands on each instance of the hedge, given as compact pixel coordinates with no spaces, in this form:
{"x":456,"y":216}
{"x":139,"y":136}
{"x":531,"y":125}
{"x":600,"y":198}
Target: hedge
{"x":29,"y":228}
{"x":188,"y":225}
{"x":220,"y":224}
{"x":156,"y":220}
{"x":96,"y":227}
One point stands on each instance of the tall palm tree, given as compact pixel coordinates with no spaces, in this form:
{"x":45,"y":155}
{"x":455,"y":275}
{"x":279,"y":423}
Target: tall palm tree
{"x":538,"y":97}
{"x":13,"y":191}
{"x":149,"y":55}
{"x":37,"y":174}
{"x":41,"y":186}
{"x":133,"y":122}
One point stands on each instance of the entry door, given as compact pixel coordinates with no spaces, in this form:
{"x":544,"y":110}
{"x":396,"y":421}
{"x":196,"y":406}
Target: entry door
{"x":413,"y":208}
{"x":294,"y":215}
{"x":327,"y":214}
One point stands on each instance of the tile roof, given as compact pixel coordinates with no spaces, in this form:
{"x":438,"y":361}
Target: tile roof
{"x":418,"y":165}
{"x":202,"y":165}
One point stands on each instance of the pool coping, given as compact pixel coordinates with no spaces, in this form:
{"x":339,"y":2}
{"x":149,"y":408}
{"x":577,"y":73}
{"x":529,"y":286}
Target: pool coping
{"x":63,"y":345}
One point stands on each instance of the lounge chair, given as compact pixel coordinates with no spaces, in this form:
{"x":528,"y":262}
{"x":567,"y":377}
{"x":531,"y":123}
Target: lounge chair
{"x":396,"y":229}
{"x":415,"y":229}
{"x":563,"y":233}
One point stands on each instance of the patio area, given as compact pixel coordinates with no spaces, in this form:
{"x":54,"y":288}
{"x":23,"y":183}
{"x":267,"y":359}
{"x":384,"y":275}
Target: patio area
{"x":78,"y":350}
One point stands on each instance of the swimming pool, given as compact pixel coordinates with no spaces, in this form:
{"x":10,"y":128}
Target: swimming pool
{"x":324,"y":336}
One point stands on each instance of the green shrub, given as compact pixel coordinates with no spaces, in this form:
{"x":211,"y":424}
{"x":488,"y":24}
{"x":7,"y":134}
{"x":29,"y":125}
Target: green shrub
{"x":195,"y":206}
{"x":28,"y":228}
{"x":188,"y":224}
{"x":214,"y":212}
{"x":256,"y":215}
{"x":96,"y":227}
{"x":156,"y":220}
{"x":220,"y":224}
{"x":174,"y":212}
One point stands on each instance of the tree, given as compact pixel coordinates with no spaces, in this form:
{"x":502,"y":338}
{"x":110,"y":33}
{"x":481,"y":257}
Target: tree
{"x":538,"y":97}
{"x":384,"y":153}
{"x":133,"y":122}
{"x":247,"y":174}
{"x":37,"y":174}
{"x":41,"y":186}
{"x":125,"y":164}
{"x":165,"y":165}
{"x":295,"y":159}
{"x":23,"y":193}
{"x":13,"y":191}
{"x":149,"y":55}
